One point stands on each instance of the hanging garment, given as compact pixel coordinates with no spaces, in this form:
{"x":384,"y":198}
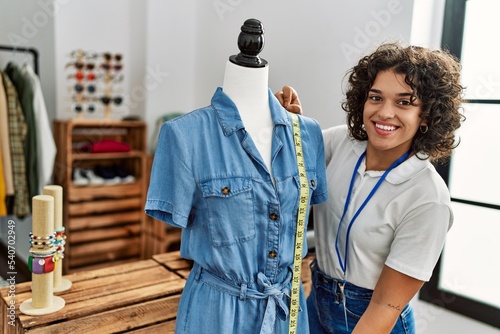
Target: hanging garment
{"x":4,"y":142}
{"x":25,"y":94}
{"x":46,"y":147}
{"x":209,"y":178}
{"x":17,"y":138}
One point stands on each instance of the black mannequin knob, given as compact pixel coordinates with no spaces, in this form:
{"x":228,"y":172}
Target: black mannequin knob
{"x":250,"y":43}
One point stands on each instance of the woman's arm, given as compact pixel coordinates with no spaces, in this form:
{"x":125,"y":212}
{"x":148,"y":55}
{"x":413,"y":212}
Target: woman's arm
{"x":393,"y":291}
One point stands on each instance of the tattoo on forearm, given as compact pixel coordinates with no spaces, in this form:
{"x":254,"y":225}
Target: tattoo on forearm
{"x":396,"y":307}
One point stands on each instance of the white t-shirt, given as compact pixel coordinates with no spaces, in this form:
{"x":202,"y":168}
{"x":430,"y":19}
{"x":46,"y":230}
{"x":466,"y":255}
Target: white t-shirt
{"x":403,"y":226}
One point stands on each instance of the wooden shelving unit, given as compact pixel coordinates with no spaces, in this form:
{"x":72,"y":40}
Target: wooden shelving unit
{"x":104,"y":224}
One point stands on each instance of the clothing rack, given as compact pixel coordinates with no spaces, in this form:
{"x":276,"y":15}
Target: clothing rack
{"x":33,"y":51}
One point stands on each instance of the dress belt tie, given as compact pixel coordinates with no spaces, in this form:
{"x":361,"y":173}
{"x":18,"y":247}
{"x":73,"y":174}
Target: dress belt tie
{"x":277,"y":294}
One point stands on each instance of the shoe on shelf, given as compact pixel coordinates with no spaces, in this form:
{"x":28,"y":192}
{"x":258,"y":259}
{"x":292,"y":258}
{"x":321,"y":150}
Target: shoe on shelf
{"x":94,"y":179}
{"x":108,"y":175}
{"x":80,"y":178}
{"x":124,"y":176}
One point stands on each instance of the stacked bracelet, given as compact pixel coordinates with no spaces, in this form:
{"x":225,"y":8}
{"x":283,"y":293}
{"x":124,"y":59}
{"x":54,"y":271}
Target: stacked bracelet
{"x":42,"y":265}
{"x":49,"y":237}
{"x":60,"y":242}
{"x":43,"y":257}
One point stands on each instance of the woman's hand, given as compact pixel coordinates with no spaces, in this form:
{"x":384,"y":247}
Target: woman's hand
{"x":289,"y":99}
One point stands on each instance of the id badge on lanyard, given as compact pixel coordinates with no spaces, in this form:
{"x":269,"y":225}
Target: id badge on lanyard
{"x":343,"y":262}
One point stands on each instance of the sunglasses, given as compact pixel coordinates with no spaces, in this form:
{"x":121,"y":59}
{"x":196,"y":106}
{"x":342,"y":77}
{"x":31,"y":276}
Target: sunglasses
{"x":79,"y":54}
{"x":108,"y":56}
{"x":117,"y":78}
{"x":79,"y":88}
{"x":81,"y":65}
{"x":106,"y":100}
{"x":80,"y":107}
{"x":79,"y":76}
{"x":107,"y":66}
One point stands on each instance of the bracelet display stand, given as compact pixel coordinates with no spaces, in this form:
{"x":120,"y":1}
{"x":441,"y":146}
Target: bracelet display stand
{"x":43,"y":300}
{"x":60,"y":283}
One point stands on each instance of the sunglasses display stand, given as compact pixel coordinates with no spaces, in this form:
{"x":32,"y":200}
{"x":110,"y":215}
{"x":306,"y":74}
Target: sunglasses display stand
{"x":108,"y":80}
{"x":111,"y":65}
{"x":85,"y":88}
{"x":107,"y":92}
{"x":79,"y":96}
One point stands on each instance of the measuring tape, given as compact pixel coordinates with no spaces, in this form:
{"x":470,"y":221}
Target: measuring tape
{"x":301,"y":222}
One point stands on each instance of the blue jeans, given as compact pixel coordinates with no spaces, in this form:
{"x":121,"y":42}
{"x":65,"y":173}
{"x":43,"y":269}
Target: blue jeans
{"x":326,"y":310}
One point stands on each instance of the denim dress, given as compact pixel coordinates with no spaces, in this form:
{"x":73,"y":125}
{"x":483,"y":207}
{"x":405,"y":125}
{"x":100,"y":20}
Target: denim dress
{"x":238,"y":221}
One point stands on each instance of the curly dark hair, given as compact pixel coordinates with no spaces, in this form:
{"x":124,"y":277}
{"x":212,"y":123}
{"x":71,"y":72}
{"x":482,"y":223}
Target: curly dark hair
{"x":434,"y":77}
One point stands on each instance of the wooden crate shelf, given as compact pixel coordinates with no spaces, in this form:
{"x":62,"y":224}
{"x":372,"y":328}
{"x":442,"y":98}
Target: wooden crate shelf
{"x":104,"y":224}
{"x":113,"y":191}
{"x":111,"y":219}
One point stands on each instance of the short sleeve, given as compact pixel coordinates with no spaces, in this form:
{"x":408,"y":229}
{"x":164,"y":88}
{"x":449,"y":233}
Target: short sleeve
{"x":327,"y":143}
{"x":172,"y":186}
{"x":320,"y":194}
{"x":419,"y":240}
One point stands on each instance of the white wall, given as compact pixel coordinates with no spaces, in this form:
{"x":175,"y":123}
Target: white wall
{"x":115,"y":26}
{"x":171,"y":44}
{"x":309,"y":44}
{"x":31,"y":24}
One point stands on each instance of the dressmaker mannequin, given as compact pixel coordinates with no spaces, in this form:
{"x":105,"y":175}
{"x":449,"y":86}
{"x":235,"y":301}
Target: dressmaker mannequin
{"x":237,"y":226}
{"x":246,"y":84}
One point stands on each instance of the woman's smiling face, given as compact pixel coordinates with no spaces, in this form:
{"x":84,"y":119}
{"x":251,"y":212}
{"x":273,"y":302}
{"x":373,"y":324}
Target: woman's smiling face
{"x":391,"y":115}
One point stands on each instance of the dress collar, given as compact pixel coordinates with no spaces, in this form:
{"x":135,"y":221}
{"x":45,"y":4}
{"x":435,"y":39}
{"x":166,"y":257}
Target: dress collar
{"x":229,"y":117}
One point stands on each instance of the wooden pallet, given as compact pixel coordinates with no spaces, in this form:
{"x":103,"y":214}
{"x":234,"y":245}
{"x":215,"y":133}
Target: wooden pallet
{"x":139,"y":297}
{"x":174,"y":262}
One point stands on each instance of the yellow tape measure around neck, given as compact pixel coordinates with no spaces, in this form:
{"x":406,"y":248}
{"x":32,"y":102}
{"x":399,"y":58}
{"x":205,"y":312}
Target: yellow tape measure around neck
{"x":301,"y":222}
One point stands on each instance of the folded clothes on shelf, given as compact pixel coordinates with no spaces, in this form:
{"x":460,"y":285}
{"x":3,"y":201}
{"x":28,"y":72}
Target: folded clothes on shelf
{"x":86,"y":177}
{"x":108,"y":174}
{"x":105,"y":146}
{"x":101,"y":175}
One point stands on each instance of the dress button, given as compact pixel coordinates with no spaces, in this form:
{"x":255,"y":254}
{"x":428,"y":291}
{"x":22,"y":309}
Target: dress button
{"x":225,"y":191}
{"x":273,"y":216}
{"x":272,"y":254}
{"x":313,"y":183}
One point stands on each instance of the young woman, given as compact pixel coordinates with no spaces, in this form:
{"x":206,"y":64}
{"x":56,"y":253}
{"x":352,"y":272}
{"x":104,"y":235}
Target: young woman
{"x":379,"y":235}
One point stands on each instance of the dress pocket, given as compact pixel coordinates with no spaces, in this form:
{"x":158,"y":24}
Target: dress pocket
{"x":230,"y":208}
